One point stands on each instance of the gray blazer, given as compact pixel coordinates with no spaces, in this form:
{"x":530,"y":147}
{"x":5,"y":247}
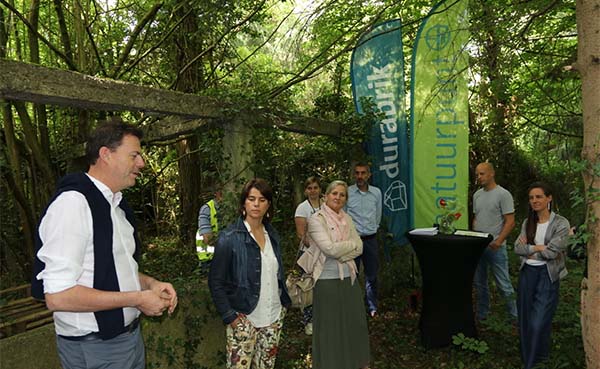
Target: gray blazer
{"x":556,"y":246}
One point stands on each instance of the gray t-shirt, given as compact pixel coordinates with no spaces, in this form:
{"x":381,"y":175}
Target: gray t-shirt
{"x":331,"y":270}
{"x":490,"y":207}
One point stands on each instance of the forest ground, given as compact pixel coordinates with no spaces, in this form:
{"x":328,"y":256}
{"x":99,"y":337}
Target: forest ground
{"x":394,"y":334}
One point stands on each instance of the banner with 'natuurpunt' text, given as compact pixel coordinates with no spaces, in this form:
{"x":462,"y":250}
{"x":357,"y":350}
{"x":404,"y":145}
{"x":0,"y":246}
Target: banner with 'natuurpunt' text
{"x":378,"y":78}
{"x":439,"y":121}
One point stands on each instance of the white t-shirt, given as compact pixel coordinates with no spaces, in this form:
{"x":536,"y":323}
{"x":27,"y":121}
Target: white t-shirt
{"x":540,"y":233}
{"x":305,"y":210}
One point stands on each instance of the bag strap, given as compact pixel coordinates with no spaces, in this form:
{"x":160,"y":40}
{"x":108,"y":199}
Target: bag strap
{"x":295,"y":266}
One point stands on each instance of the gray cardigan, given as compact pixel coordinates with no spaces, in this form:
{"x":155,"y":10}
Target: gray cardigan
{"x":556,"y":246}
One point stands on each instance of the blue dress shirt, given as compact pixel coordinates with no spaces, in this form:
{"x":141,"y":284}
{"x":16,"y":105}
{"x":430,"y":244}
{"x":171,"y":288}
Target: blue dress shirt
{"x":365,"y":209}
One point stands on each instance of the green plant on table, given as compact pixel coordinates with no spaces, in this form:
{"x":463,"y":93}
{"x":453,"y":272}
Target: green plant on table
{"x":451,"y":212}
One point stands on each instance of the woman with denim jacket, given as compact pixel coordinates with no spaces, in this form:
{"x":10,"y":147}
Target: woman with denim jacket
{"x":247,"y":284}
{"x":340,"y":336}
{"x":541,"y":246}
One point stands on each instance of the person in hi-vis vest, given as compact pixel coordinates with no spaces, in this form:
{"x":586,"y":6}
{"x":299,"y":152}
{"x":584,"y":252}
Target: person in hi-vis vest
{"x":208,"y":226}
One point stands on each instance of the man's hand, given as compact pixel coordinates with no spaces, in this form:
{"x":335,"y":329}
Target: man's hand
{"x":163,"y":290}
{"x":152,"y":304}
{"x":166,"y":291}
{"x":509,"y":224}
{"x":494,"y":245}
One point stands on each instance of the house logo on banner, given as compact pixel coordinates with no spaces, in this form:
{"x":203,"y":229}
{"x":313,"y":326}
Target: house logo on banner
{"x":395,"y":197}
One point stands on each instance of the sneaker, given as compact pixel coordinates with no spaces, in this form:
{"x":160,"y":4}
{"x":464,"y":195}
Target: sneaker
{"x":308,"y":329}
{"x":373,"y":314}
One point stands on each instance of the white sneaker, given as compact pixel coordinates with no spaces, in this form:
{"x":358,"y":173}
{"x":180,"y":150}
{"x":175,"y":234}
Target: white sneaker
{"x":308,"y":329}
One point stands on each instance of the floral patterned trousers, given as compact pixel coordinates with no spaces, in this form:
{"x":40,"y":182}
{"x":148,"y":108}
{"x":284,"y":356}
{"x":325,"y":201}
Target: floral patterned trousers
{"x":250,"y":347}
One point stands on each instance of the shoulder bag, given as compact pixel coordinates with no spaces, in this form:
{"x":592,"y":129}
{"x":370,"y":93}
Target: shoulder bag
{"x":300,"y":284}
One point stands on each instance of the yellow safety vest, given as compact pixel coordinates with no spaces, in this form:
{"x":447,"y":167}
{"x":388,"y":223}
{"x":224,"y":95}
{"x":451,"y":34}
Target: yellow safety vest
{"x":205,"y":252}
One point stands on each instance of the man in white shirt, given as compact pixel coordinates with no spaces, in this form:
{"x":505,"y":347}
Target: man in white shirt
{"x":87,"y":242}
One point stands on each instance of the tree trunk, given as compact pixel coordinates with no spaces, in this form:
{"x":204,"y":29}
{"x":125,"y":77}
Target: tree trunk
{"x":32,"y":142}
{"x":499,"y":148}
{"x":3,"y":34}
{"x":64,"y":32}
{"x":81,"y":58}
{"x":16,"y":183}
{"x":588,"y":64}
{"x":189,"y":162}
{"x":12,"y":26}
{"x":189,"y":189}
{"x":34,"y":16}
{"x":40,"y":116}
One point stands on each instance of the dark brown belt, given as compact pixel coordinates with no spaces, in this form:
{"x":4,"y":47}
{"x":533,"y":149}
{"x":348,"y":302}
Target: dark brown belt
{"x":371,"y":236}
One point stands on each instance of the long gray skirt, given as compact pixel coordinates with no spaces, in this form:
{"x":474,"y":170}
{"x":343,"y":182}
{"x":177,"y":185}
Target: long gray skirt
{"x":340,"y":332}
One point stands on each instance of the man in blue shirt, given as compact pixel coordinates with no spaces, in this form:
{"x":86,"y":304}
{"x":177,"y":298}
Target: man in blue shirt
{"x":364,"y":207}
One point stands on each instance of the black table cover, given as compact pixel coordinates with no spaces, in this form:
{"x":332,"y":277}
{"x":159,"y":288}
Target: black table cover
{"x":448,"y":263}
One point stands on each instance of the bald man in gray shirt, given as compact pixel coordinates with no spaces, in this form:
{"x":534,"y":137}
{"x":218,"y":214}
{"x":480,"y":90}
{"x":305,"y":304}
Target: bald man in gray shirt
{"x":494,"y":213}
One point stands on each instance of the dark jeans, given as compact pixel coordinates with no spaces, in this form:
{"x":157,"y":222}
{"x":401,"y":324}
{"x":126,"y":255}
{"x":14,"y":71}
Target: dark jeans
{"x":370,"y":260}
{"x":537,"y":301}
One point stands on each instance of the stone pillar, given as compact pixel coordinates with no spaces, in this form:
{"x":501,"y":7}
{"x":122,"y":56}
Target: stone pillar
{"x":237,"y":149}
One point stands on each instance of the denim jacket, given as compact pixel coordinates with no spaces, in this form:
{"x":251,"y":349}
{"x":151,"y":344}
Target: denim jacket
{"x":234,"y":277}
{"x":556,"y":246}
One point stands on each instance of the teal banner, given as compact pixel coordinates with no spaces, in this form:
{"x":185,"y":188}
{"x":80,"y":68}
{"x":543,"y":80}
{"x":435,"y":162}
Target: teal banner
{"x":377,"y":72}
{"x":440,"y":114}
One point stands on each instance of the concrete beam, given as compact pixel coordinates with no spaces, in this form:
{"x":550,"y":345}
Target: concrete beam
{"x":38,"y":84}
{"x":185,"y":113}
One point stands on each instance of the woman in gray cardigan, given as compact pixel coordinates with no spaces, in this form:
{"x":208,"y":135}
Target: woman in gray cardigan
{"x":541,"y":245}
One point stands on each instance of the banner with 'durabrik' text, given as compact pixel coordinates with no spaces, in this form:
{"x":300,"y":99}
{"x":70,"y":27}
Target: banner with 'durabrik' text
{"x":378,"y":76}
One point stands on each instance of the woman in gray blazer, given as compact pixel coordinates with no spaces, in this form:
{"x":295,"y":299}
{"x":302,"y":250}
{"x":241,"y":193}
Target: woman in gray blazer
{"x":541,"y":245}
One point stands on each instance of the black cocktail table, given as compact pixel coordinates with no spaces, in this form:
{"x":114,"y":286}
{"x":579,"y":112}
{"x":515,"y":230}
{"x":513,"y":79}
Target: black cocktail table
{"x":448,"y":263}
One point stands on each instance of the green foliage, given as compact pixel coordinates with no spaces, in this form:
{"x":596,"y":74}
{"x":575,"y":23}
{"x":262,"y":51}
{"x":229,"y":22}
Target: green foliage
{"x":286,"y":159}
{"x":165,"y":347}
{"x":498,"y":323}
{"x":578,"y":241}
{"x":470,"y":344}
{"x":525,"y":109}
{"x":460,"y":365}
{"x":167,"y":260}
